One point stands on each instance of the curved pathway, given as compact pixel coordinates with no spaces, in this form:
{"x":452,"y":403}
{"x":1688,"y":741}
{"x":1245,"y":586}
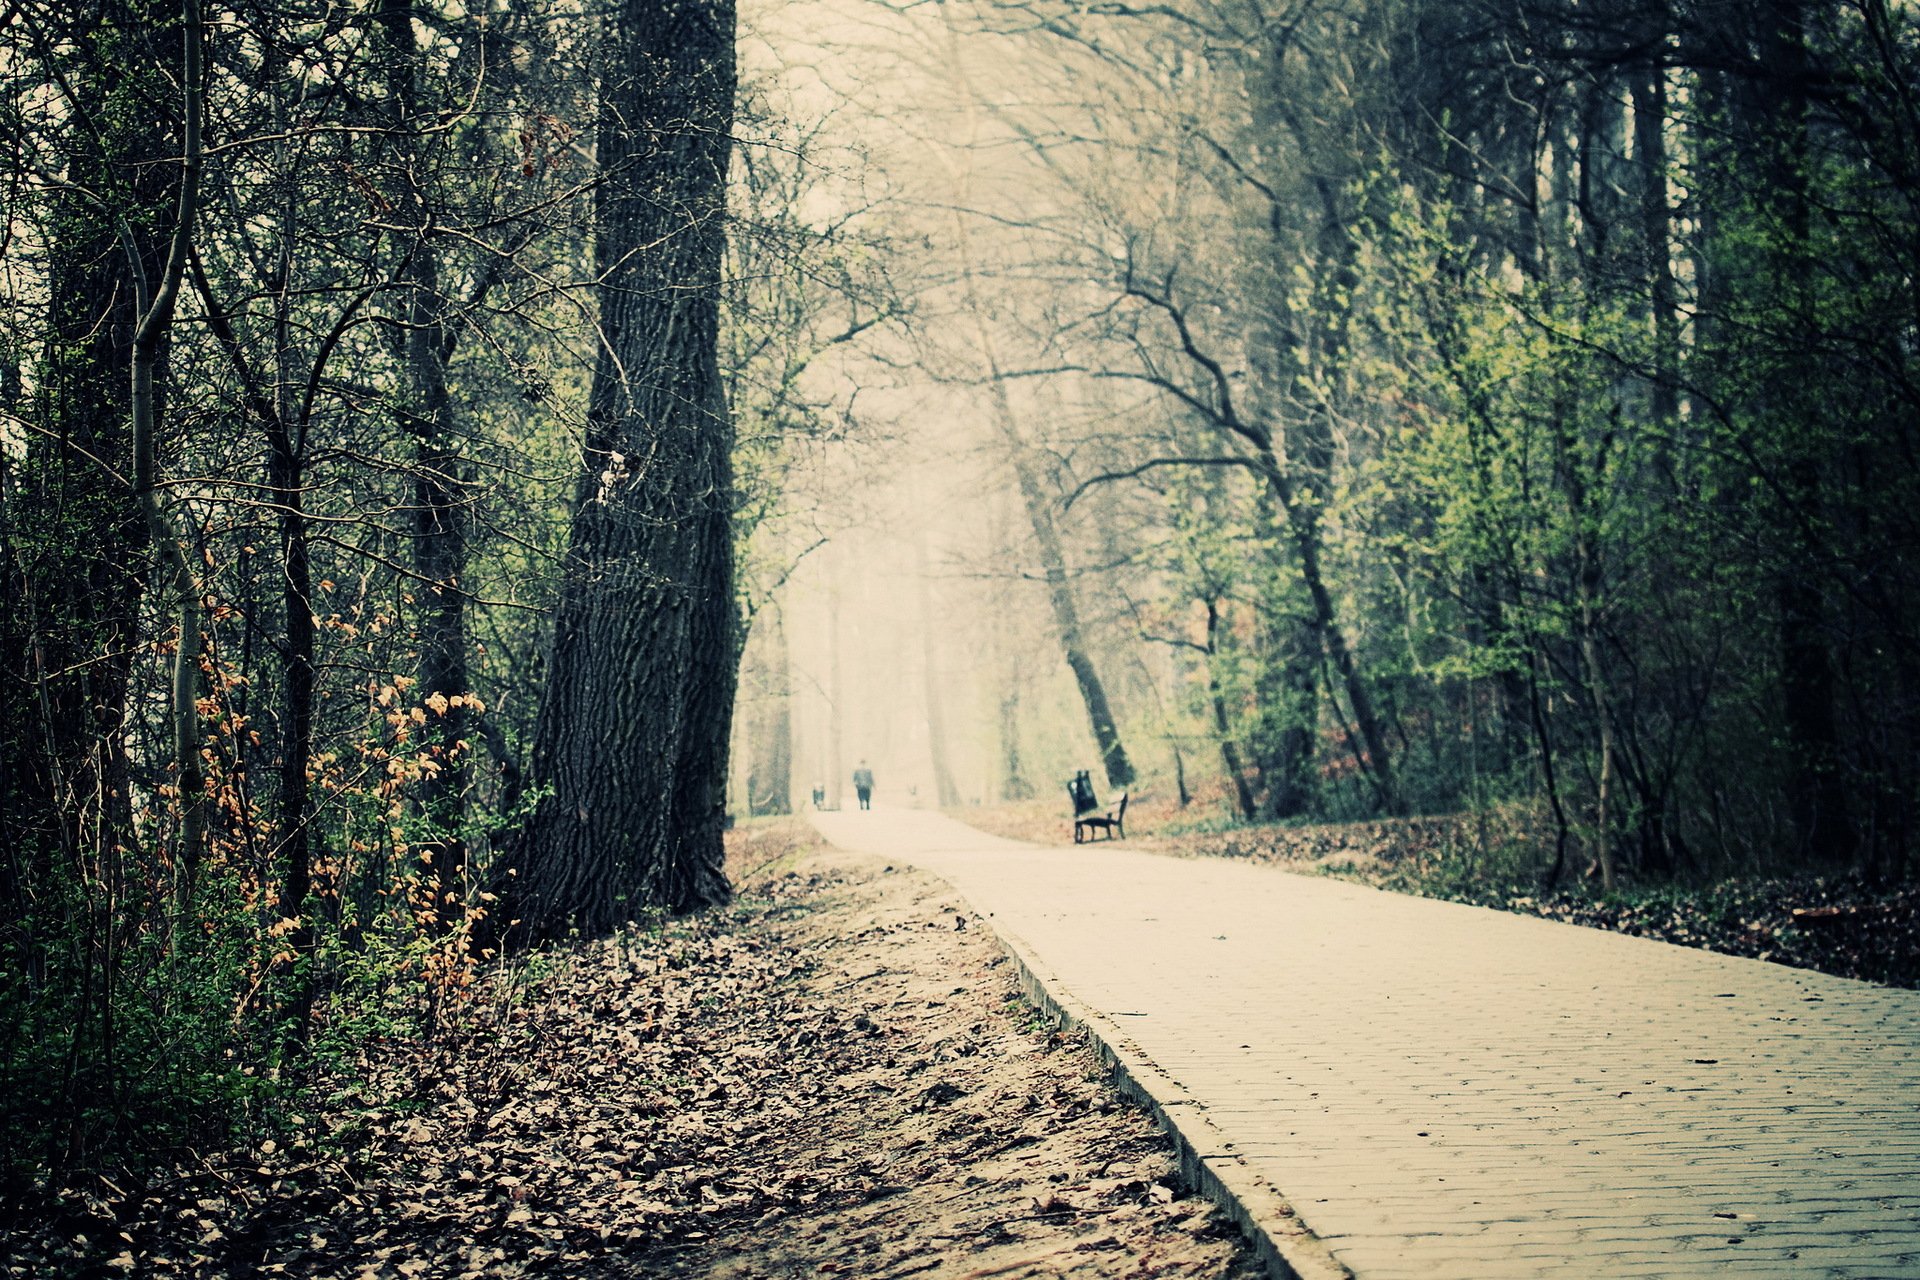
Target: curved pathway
{"x":1437,"y":1090}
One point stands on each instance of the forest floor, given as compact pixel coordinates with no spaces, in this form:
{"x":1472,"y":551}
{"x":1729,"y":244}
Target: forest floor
{"x":1846,"y":925}
{"x":835,"y":1076}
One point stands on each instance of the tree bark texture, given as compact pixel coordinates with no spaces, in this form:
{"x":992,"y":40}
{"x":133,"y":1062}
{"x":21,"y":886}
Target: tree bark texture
{"x":631,"y":743}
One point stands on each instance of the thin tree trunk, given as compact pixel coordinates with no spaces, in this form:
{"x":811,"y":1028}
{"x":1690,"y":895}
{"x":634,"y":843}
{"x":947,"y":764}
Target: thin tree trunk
{"x":1549,"y":774}
{"x":1298,"y":465}
{"x":770,"y":746}
{"x":156,"y":321}
{"x":1603,"y":791}
{"x":1004,"y":617}
{"x":944,"y":788}
{"x":1325,"y":622}
{"x":1296,"y":691}
{"x":1222,"y":723}
{"x":439,"y":507}
{"x":1656,"y":235}
{"x":1820,"y":803}
{"x":292,"y":838}
{"x":284,"y":428}
{"x":1287,"y":688}
{"x":1066,"y":612}
{"x":1013,"y":773}
{"x":836,"y":690}
{"x":1003,"y":614}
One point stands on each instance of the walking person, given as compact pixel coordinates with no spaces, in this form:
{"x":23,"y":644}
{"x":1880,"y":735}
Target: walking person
{"x":863,"y":784}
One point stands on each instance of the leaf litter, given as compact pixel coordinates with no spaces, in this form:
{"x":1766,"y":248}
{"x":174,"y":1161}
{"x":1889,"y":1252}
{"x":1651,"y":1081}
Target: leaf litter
{"x":835,"y":1076}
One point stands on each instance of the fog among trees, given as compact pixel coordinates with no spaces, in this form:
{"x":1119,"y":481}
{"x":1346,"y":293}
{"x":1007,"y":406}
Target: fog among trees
{"x":457,"y":458}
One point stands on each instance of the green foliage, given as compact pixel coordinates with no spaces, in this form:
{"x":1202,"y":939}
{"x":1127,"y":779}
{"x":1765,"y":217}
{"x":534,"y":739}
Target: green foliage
{"x":1867,"y":930}
{"x":1629,"y":541}
{"x":122,"y":1044}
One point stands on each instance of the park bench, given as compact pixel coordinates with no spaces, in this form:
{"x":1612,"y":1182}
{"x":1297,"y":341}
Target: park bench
{"x":1088,"y":818}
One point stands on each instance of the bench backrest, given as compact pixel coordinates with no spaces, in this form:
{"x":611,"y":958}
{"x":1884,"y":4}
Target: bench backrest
{"x":1080,"y":791}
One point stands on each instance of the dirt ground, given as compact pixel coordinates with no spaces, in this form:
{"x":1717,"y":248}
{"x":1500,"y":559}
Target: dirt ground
{"x":834,"y":1077}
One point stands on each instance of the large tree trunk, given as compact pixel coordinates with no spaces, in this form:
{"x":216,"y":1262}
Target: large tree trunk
{"x":632,"y":735}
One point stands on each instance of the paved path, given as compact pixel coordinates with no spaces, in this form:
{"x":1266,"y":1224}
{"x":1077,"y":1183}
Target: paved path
{"x":1447,"y":1091}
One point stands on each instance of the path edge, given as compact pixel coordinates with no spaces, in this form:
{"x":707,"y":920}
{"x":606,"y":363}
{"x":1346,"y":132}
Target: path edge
{"x":1285,"y":1246}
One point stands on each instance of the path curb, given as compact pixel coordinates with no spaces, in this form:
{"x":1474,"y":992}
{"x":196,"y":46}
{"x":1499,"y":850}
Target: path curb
{"x":1284,"y":1245}
{"x":1443,"y":1090}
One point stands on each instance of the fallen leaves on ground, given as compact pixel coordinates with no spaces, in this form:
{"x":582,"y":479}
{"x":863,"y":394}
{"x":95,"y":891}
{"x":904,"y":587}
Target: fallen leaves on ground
{"x":829,"y":1078}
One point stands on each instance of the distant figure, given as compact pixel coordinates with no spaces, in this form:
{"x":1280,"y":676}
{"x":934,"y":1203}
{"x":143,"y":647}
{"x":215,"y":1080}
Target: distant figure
{"x":819,"y":796}
{"x":863,"y":785}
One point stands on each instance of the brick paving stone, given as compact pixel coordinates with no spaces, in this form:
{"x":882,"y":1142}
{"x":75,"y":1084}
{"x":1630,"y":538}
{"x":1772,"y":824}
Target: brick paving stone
{"x":1441,"y":1090}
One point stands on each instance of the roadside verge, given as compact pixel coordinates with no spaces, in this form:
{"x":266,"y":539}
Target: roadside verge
{"x":1284,"y":1245}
